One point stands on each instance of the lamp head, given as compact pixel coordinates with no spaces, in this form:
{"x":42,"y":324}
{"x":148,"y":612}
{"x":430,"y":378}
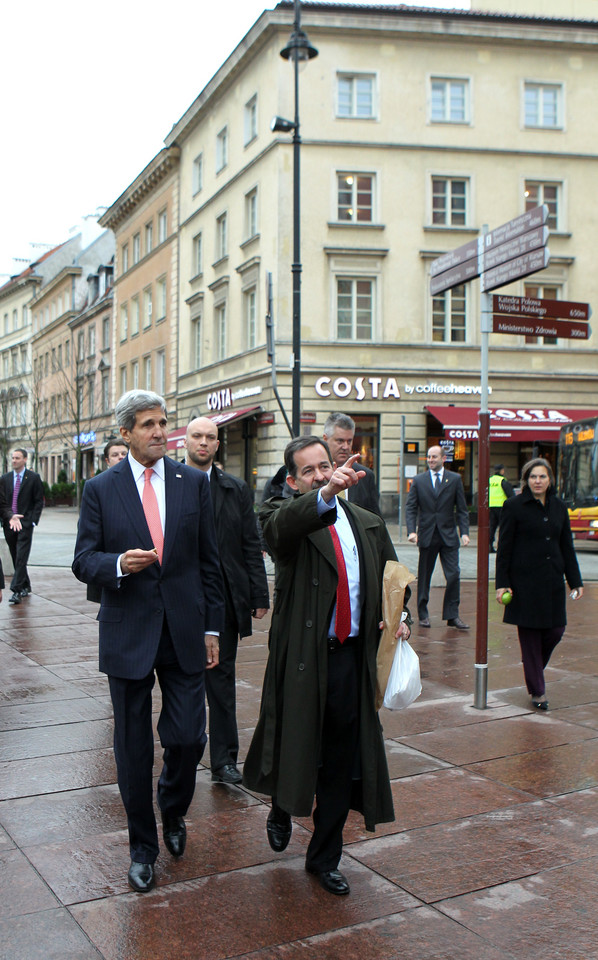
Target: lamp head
{"x":298,"y":47}
{"x":280,"y":125}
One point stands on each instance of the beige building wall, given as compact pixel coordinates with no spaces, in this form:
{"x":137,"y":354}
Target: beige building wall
{"x":145,"y":222}
{"x":494,"y":150}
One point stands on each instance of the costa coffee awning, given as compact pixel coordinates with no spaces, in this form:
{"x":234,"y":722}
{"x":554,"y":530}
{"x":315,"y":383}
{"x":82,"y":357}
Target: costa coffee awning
{"x":222,"y":419}
{"x":520,"y":424}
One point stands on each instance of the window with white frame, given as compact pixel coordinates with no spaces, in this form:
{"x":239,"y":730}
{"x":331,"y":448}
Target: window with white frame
{"x":537,"y":192}
{"x":148,"y":307}
{"x":197,"y":174}
{"x":80,"y":345}
{"x":105,"y":393}
{"x":249,"y":309}
{"x":162,"y":226}
{"x":355,"y":95}
{"x":124,"y":321}
{"x":106,"y":333}
{"x":355,"y":304}
{"x":135,"y":314}
{"x":147,"y":373}
{"x":135,"y":375}
{"x":221,"y":149}
{"x":91,"y":393}
{"x":15,"y":318}
{"x":220,"y":330}
{"x":449,"y":201}
{"x":124,"y":257}
{"x":161,"y":299}
{"x":161,"y":372}
{"x":542,"y":291}
{"x":355,"y":197}
{"x":221,"y":236}
{"x":449,"y":100}
{"x":123,"y":380}
{"x":196,"y":342}
{"x":449,"y":316}
{"x":197,"y":255}
{"x":250,"y":120}
{"x":91,"y":339}
{"x":136,"y":248}
{"x":543,"y":105}
{"x":251,"y":214}
{"x":149,"y":237}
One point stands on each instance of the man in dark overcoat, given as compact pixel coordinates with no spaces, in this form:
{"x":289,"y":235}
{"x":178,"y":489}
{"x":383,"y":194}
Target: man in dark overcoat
{"x":339,"y":434}
{"x":245,"y":588}
{"x":318,"y":731}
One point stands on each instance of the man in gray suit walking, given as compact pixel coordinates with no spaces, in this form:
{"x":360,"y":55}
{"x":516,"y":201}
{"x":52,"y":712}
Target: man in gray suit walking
{"x":435,"y":507}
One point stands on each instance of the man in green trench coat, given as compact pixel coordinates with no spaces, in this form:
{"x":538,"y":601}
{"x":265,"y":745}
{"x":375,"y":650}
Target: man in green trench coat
{"x":318,"y":731}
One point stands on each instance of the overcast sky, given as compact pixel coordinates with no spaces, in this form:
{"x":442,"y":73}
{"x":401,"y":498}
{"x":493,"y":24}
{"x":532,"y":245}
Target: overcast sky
{"x":89,"y":91}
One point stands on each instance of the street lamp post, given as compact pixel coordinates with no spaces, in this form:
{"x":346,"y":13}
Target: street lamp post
{"x":298,"y":49}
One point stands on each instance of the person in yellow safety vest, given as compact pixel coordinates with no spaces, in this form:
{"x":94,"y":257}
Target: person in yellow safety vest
{"x":499,"y":490}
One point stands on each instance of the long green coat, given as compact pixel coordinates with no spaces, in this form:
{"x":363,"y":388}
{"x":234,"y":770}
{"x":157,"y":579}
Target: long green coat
{"x":285,"y":750}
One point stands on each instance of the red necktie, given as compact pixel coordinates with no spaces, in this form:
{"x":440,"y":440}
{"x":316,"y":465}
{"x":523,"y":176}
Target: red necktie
{"x":152,"y":513}
{"x":342,"y":623}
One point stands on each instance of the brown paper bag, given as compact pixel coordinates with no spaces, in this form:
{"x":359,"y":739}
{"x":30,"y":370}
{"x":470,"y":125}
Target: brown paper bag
{"x":396,"y":578}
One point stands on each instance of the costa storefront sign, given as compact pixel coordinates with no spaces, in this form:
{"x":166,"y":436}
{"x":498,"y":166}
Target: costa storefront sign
{"x":520,"y":424}
{"x":371,"y":388}
{"x":219,"y":399}
{"x":385,"y":388}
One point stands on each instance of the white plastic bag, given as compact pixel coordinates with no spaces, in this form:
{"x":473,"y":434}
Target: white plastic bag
{"x":404,"y":683}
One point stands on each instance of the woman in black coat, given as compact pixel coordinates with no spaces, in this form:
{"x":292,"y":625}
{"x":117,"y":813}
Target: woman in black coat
{"x":535,"y":553}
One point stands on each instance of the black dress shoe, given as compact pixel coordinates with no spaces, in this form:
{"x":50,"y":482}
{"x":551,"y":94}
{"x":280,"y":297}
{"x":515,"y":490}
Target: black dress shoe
{"x":540,"y":704}
{"x":141,"y":876}
{"x":227,"y":774}
{"x":25,"y":593}
{"x":424,"y":622}
{"x":16,"y":598}
{"x":279,"y":829}
{"x":332,"y":880}
{"x":458,"y":623}
{"x":175,"y":834}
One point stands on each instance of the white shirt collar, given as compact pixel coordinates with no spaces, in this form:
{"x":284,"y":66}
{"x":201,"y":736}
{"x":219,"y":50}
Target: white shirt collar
{"x":138,"y":469}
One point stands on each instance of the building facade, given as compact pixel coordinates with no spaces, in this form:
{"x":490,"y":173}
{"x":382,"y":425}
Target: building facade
{"x":417,"y":129}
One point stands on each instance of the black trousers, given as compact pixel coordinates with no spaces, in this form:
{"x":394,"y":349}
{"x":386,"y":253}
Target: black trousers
{"x":449,"y":558}
{"x":536,"y":650}
{"x":222,"y":701}
{"x":339,"y":759}
{"x":19,"y":545}
{"x":493,"y":522}
{"x":182,"y":732}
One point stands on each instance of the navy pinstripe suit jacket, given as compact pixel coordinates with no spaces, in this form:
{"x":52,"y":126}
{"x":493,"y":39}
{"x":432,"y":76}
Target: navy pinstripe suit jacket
{"x":185,"y":590}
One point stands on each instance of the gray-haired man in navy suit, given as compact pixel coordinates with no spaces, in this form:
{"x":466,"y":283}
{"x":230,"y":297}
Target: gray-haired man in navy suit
{"x":146,"y":536}
{"x":435,"y":507}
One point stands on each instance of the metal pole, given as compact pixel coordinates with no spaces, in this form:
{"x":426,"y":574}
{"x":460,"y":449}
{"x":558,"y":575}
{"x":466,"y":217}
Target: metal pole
{"x":296,"y":268}
{"x":481,"y":650}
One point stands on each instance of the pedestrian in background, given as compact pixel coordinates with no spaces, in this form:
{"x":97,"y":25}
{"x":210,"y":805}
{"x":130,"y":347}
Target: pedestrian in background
{"x":535,"y":554}
{"x":499,"y":490}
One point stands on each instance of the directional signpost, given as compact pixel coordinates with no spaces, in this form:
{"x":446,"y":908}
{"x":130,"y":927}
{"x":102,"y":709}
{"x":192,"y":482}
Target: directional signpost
{"x":499,"y":257}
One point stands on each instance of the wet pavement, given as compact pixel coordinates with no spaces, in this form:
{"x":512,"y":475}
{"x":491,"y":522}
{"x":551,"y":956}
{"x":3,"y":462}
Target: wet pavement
{"x":493,"y":854}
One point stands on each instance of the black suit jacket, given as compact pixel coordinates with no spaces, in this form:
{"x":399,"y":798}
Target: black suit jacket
{"x":426,"y":510}
{"x":30,"y":501}
{"x":185,"y":590}
{"x":239,"y":546}
{"x":365,"y":493}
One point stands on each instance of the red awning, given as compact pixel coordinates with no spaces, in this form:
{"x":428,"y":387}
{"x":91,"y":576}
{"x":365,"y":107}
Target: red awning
{"x":518,"y":424}
{"x":176,"y":437}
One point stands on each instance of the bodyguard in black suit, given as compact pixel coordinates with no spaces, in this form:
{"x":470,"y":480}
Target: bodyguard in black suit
{"x":19,"y":523}
{"x":435,"y":507}
{"x":245,"y":591}
{"x":146,"y":536}
{"x":339,"y":433}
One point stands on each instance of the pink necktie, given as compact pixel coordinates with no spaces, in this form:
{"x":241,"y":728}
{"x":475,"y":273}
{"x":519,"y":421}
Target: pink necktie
{"x":342,"y":623}
{"x":152,"y":513}
{"x":15,"y":493}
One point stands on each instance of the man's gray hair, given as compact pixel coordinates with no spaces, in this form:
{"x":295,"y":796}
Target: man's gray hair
{"x":132,"y":403}
{"x":341,"y":420}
